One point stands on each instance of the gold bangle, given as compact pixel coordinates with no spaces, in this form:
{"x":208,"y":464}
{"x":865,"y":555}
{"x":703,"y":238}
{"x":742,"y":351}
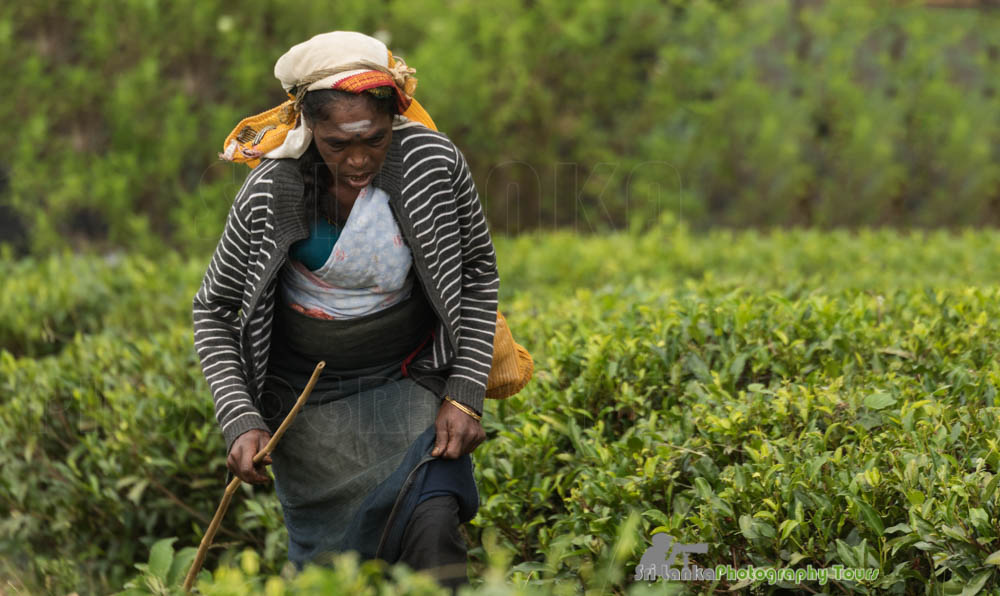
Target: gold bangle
{"x":464,"y":408}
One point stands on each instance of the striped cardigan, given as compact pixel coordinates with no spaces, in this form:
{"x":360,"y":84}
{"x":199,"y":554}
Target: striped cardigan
{"x":433,"y":199}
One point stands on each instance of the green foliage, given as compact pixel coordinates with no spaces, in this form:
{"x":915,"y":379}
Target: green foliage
{"x":792,"y":398}
{"x":107,"y":437}
{"x":841,"y":113}
{"x":166,"y":570}
{"x":576,"y":114}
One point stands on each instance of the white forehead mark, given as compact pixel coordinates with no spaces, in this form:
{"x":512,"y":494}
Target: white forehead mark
{"x":356,"y":127}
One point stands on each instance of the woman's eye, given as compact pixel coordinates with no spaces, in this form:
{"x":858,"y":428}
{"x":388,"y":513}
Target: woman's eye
{"x":375,"y":141}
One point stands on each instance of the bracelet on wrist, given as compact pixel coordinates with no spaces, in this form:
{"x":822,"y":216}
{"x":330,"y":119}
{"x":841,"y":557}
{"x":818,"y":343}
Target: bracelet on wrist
{"x":463,"y":407}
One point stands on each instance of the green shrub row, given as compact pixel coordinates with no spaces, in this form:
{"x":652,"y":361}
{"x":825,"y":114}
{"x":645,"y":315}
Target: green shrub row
{"x":45,"y":302}
{"x":584,"y":115}
{"x":785,"y":404}
{"x":853,"y":429}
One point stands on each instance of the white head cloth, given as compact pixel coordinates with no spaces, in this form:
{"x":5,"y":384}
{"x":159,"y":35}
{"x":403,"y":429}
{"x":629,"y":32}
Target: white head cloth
{"x":326,"y":50}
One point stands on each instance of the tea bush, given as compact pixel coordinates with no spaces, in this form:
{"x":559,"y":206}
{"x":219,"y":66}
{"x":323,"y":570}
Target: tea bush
{"x":584,"y":115}
{"x":790,"y":398}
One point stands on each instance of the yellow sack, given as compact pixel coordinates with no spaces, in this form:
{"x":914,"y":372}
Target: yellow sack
{"x":512,"y":364}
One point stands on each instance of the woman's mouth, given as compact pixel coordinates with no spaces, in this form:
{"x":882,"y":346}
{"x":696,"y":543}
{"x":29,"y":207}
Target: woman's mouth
{"x":360,"y":180}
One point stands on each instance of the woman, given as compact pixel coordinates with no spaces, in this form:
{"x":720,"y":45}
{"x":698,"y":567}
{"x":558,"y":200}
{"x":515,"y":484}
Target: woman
{"x":357,"y":239}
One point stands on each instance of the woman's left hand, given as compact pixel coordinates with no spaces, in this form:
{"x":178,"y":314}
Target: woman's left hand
{"x":457,"y":432}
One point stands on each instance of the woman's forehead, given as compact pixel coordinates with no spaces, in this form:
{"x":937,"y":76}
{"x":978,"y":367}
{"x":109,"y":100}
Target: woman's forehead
{"x":351,"y":115}
{"x":358,"y":126}
{"x":348,"y":106}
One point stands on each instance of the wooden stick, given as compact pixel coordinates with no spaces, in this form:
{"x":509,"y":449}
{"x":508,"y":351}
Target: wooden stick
{"x":220,"y":512}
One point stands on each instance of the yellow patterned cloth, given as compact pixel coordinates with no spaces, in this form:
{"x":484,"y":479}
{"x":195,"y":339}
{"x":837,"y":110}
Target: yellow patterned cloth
{"x":342,"y":60}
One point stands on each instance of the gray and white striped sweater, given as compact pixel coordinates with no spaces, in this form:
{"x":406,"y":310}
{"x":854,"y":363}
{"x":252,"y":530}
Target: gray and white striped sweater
{"x":434,"y":200}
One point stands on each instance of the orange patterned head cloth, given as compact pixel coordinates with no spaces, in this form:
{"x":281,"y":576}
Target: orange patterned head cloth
{"x":342,"y":60}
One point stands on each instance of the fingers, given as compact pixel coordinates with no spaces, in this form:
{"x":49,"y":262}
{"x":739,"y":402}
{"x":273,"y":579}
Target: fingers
{"x":457,"y":433}
{"x":466,"y":439}
{"x":254,"y":474}
{"x":262,"y":440}
{"x":476,"y":436}
{"x":455,"y":443}
{"x":232,"y":461}
{"x":240,"y":460}
{"x":441,"y":438}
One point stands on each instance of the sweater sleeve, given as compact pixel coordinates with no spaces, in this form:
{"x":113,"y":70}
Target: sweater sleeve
{"x":480,"y":283}
{"x":216,"y":319}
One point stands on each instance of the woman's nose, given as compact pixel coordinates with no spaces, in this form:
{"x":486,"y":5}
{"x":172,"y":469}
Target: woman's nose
{"x":357,"y":159}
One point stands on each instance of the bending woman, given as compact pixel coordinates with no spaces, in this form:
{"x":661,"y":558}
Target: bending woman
{"x":358,"y":239}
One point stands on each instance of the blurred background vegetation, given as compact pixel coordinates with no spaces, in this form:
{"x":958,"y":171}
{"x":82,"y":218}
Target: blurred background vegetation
{"x":657,"y":130}
{"x":585,"y":114}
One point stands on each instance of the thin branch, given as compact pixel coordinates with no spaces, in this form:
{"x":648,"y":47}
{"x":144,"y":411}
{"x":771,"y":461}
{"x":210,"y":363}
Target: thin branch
{"x":201,"y":517}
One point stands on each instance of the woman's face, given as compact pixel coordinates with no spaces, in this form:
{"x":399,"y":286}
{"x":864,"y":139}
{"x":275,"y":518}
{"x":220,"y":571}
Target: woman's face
{"x":353,"y":141}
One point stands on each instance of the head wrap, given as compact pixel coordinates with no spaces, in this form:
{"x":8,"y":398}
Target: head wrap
{"x":342,"y":60}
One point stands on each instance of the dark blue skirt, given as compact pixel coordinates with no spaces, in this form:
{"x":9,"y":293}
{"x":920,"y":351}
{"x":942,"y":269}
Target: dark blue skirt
{"x":356,"y":461}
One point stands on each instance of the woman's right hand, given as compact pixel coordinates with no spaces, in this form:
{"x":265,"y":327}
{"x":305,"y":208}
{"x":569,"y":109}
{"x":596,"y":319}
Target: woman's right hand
{"x":240,"y":460}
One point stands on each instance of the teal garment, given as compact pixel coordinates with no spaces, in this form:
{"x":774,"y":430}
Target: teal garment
{"x":315,"y":250}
